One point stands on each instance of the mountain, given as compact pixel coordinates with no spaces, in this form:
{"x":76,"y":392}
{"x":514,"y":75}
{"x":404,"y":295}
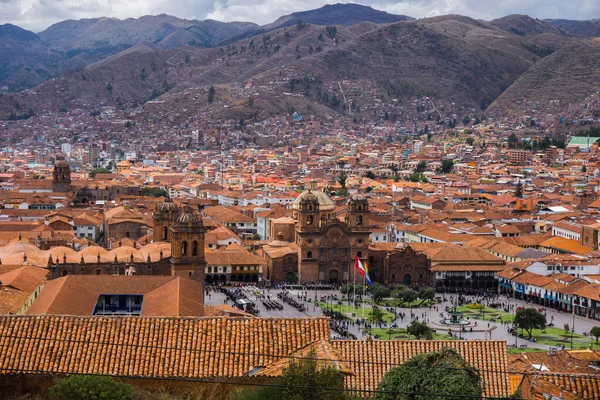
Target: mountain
{"x":450,"y":59}
{"x":337,"y":14}
{"x":524,"y":25}
{"x":78,"y":43}
{"x":569,"y":75}
{"x":23,"y":55}
{"x":589,"y":28}
{"x":109,"y":35}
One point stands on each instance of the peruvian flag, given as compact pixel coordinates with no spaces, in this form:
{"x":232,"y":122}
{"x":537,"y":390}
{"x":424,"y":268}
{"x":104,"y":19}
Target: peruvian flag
{"x":363,"y":270}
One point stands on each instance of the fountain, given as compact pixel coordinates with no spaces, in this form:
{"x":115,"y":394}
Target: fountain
{"x":455,"y":318}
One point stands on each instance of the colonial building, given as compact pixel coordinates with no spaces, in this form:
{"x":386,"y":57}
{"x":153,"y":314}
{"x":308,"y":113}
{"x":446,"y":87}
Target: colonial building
{"x":398,"y":263}
{"x":326,"y":241}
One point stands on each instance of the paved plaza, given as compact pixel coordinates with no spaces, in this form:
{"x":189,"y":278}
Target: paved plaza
{"x":484,"y":330}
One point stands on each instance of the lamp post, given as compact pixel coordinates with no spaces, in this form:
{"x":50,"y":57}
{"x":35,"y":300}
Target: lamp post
{"x":572,"y":326}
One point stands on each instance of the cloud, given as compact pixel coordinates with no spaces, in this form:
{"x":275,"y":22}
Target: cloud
{"x":37,"y":15}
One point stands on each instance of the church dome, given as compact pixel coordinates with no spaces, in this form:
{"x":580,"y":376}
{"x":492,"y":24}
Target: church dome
{"x":357,"y":197}
{"x":189,"y":217}
{"x":325,"y":203}
{"x":166,"y":207}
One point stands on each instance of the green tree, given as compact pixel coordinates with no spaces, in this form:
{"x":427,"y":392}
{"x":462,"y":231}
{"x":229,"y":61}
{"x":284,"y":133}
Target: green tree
{"x":256,"y":236}
{"x":376,"y":315}
{"x":409,"y":295}
{"x":305,"y":379}
{"x":519,"y":190}
{"x":398,"y":292}
{"x":417,"y":177}
{"x":529,"y":319}
{"x":378,"y":291}
{"x":97,"y":171}
{"x":595,"y":332}
{"x":427,"y":294}
{"x":250,"y":101}
{"x":88,"y":387}
{"x":447,"y":166}
{"x":369,"y":174}
{"x":211,"y":94}
{"x":419,"y":330}
{"x":421,"y":166}
{"x":470,"y":141}
{"x":442,"y":373}
{"x":153,"y":192}
{"x":513,"y":142}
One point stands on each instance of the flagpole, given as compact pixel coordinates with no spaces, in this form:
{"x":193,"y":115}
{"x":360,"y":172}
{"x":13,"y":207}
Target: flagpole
{"x":364,"y":285}
{"x":354,"y":287}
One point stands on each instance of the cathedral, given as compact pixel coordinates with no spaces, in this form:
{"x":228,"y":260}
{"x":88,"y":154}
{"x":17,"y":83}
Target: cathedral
{"x":326,"y":240}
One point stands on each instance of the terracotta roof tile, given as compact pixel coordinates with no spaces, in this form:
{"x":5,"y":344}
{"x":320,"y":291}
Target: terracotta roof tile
{"x":152,"y":347}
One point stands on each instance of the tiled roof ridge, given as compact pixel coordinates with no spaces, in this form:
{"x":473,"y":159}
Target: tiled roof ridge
{"x":37,"y":316}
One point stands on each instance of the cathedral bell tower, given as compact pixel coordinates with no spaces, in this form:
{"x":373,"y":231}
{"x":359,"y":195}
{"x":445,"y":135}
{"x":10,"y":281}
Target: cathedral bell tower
{"x":187,"y":245}
{"x":164,"y":215}
{"x":357,"y":221}
{"x":358,"y":213}
{"x":61,"y":177}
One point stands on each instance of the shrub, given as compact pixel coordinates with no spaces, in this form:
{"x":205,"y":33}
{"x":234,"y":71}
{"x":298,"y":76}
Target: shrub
{"x":88,"y":387}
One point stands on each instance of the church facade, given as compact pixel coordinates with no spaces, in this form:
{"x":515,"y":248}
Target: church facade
{"x":327,"y":241}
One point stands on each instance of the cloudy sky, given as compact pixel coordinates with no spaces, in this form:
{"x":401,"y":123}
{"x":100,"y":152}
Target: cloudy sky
{"x":37,"y":15}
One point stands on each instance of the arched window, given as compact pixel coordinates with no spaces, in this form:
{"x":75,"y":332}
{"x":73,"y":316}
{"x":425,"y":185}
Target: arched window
{"x":359,"y":254}
{"x":165,"y":233}
{"x":309,"y":220}
{"x":194,"y":248}
{"x":98,"y":271}
{"x":184,"y":248}
{"x":127,"y":234}
{"x":310,"y":208}
{"x":359,"y":208}
{"x":64,"y":272}
{"x":359,"y":220}
{"x":309,"y":254}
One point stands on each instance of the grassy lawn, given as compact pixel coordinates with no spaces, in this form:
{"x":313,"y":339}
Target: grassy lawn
{"x":470,"y":311}
{"x":557,"y":337}
{"x":526,"y":350}
{"x":358,"y":311}
{"x":398,"y":303}
{"x":400,"y":334}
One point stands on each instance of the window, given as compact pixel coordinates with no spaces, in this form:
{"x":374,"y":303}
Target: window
{"x":359,"y":220}
{"x":195,"y":248}
{"x":127,"y":234}
{"x":165,"y":233}
{"x":184,"y":248}
{"x":359,"y":254}
{"x":309,"y":220}
{"x":309,"y":254}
